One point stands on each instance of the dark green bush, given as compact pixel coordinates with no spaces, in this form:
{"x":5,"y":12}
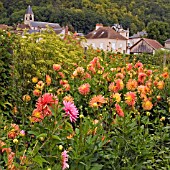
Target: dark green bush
{"x":6,"y":68}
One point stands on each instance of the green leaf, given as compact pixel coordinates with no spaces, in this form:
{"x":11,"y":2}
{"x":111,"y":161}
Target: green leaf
{"x":42,"y":135}
{"x":32,"y":133}
{"x":97,"y":167}
{"x":39,"y":160}
{"x":56,"y":137}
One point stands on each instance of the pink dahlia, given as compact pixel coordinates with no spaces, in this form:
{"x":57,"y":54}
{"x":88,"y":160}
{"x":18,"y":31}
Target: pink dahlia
{"x":71,"y":111}
{"x":64,"y":155}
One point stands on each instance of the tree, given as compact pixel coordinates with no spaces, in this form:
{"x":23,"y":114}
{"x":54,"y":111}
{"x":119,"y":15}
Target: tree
{"x":158,"y":30}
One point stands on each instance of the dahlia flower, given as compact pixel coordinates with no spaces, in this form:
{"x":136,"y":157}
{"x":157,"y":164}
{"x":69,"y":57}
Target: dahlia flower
{"x":141,"y":77}
{"x":36,"y":116}
{"x":138,"y":64}
{"x":56,"y":67}
{"x":147,"y":105}
{"x":112,"y":87}
{"x":117,"y":97}
{"x":44,"y":102}
{"x":160,"y":85}
{"x":119,"y":110}
{"x":71,"y":111}
{"x":68,"y":99}
{"x":131,"y":84}
{"x":48,"y":80}
{"x":96,"y":101}
{"x":129,"y":66}
{"x":84,"y":89}
{"x":165,"y":75}
{"x":130,"y":98}
{"x":64,"y":156}
{"x":119,"y":84}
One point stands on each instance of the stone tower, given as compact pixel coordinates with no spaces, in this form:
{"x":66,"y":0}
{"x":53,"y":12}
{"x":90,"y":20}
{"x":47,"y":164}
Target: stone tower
{"x":29,"y":16}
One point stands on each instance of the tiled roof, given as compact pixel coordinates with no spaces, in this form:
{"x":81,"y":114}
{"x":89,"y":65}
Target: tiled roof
{"x":29,"y":10}
{"x":167,"y":41}
{"x":44,"y":24}
{"x":105,"y":32}
{"x":153,"y":43}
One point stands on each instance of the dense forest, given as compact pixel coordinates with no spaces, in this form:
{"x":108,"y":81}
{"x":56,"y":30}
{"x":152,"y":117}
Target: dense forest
{"x":82,"y":15}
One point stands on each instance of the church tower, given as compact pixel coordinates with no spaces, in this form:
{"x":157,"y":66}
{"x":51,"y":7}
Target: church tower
{"x":29,"y":16}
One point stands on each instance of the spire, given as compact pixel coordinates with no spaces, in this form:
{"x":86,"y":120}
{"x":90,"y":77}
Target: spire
{"x":29,"y":16}
{"x":29,"y":10}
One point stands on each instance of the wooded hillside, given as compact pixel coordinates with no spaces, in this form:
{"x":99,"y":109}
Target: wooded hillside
{"x":82,"y":15}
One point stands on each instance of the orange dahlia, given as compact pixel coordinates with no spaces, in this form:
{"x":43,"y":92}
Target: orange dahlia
{"x":26,"y":98}
{"x":131,"y":84}
{"x":112,"y":87}
{"x":66,"y":87}
{"x":120,"y":75}
{"x":116,"y":97}
{"x":165,"y":75}
{"x":97,"y":101}
{"x":36,"y":116}
{"x":35,"y":79}
{"x":130,"y":98}
{"x":39,"y":85}
{"x":84,"y":89}
{"x":119,"y":84}
{"x":147,"y":105}
{"x":68,"y":98}
{"x":37,"y":92}
{"x":48,"y":80}
{"x":160,"y":85}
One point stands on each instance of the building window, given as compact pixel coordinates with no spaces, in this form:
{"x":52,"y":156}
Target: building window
{"x":113,"y":46}
{"x":101,"y":46}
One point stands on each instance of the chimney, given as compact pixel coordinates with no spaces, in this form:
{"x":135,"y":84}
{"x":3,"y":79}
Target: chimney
{"x":98,"y":26}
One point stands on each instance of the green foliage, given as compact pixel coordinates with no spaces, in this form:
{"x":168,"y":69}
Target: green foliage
{"x":6,"y":65}
{"x":158,"y":30}
{"x":37,"y":133}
